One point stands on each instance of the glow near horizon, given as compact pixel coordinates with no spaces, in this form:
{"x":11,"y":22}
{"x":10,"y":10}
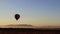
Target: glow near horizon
{"x":35,"y":12}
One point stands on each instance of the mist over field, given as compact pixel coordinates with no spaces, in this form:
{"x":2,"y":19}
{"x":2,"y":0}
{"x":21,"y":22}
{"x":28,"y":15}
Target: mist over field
{"x":27,"y":26}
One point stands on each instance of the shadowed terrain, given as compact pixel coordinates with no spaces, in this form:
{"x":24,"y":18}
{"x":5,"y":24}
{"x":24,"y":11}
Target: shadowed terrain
{"x":27,"y":29}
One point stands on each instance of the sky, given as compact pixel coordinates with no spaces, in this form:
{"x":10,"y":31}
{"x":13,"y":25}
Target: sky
{"x":34,"y":12}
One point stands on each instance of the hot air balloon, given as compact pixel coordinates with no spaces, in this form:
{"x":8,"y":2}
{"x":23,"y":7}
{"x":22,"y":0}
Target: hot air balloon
{"x":17,"y":16}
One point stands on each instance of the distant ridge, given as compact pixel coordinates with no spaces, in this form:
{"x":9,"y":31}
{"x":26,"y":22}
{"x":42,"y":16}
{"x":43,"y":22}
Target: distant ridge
{"x":20,"y":25}
{"x":27,"y":26}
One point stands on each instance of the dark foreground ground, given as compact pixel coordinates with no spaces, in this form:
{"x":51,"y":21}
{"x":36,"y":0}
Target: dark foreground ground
{"x":28,"y":31}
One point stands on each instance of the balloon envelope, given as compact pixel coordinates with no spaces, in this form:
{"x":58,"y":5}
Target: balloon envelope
{"x":17,"y":16}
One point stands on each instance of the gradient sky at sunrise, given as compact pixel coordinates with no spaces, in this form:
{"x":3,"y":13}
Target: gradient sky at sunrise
{"x":34,"y":12}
